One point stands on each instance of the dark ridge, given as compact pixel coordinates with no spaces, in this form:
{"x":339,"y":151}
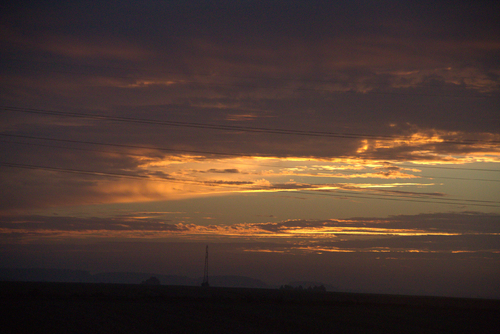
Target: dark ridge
{"x":67,"y":275}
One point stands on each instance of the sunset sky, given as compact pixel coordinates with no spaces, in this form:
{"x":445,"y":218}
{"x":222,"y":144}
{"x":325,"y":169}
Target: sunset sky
{"x":353,"y":143}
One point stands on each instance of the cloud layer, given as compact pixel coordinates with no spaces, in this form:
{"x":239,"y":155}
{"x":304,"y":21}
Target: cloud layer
{"x":275,"y":129}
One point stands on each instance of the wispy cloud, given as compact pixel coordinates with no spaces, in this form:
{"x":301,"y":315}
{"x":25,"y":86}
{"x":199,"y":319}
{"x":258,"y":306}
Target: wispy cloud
{"x":153,"y":178}
{"x":444,"y":232}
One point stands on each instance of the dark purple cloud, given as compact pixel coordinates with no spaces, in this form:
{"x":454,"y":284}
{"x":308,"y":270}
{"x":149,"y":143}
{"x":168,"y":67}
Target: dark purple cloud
{"x":57,"y":223}
{"x":464,"y":224}
{"x":454,"y":222}
{"x":353,"y":80}
{"x":222,"y":171}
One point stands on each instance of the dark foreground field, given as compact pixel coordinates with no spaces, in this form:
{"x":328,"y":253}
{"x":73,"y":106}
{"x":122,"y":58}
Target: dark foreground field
{"x":28,"y":307}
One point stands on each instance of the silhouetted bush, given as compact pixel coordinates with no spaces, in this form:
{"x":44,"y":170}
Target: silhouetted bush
{"x":316,"y":288}
{"x":151,"y":281}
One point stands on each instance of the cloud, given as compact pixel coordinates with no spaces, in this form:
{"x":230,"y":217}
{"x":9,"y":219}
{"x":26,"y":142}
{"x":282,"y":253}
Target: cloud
{"x":125,"y":178}
{"x":410,"y":193}
{"x":227,"y":170}
{"x":229,"y":114}
{"x":48,"y":189}
{"x":337,"y":232}
{"x":220,"y":182}
{"x":345,"y":81}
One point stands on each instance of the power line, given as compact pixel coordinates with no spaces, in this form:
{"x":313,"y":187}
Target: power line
{"x":74,"y":148}
{"x":119,"y":175}
{"x":276,"y":79}
{"x":127,"y":146}
{"x":266,"y":165}
{"x":403,"y":197}
{"x":395,"y":199}
{"x":457,"y":178}
{"x":230,"y":127}
{"x":79,"y":171}
{"x":195,"y":125}
{"x":411,"y":195}
{"x":449,"y":168}
{"x":208,"y":152}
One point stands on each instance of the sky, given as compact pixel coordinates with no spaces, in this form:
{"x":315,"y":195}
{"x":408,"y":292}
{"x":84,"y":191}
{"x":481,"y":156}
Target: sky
{"x":352,"y":143}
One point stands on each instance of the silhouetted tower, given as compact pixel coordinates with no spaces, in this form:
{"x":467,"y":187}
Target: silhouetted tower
{"x":205,"y":273}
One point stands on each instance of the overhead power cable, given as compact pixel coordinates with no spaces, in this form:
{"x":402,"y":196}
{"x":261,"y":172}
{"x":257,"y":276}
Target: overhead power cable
{"x":195,"y":125}
{"x":126,"y":145}
{"x":232,"y":127}
{"x":394,"y":199}
{"x":119,"y":175}
{"x":319,"y":191}
{"x":79,"y":171}
{"x":457,"y":178}
{"x":240,"y":77}
{"x":449,"y":168}
{"x":157,"y":148}
{"x":266,"y":165}
{"x":410,"y":195}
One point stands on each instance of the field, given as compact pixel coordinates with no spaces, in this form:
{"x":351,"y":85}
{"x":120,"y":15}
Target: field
{"x":29,"y":307}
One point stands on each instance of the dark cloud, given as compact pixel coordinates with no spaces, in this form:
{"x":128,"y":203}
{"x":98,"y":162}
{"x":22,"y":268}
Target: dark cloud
{"x":160,"y":174}
{"x":454,"y":222}
{"x":465,"y":264}
{"x":34,"y":224}
{"x":431,"y":244}
{"x":51,"y":184}
{"x":390,"y":168}
{"x":462,"y":222}
{"x":370,"y":83}
{"x":266,"y":216}
{"x":410,"y":193}
{"x":466,"y":224}
{"x":229,"y":182}
{"x":221,"y":171}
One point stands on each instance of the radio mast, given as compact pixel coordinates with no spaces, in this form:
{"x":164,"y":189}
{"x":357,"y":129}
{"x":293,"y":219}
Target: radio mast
{"x":205,"y":273}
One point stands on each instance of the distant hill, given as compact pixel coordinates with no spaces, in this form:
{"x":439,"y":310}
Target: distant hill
{"x":67,"y":275}
{"x":309,"y":284}
{"x":45,"y":275}
{"x":136,"y":278}
{"x":236,"y":282}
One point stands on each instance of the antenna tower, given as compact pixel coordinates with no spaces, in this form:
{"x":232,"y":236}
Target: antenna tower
{"x":205,"y":273}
